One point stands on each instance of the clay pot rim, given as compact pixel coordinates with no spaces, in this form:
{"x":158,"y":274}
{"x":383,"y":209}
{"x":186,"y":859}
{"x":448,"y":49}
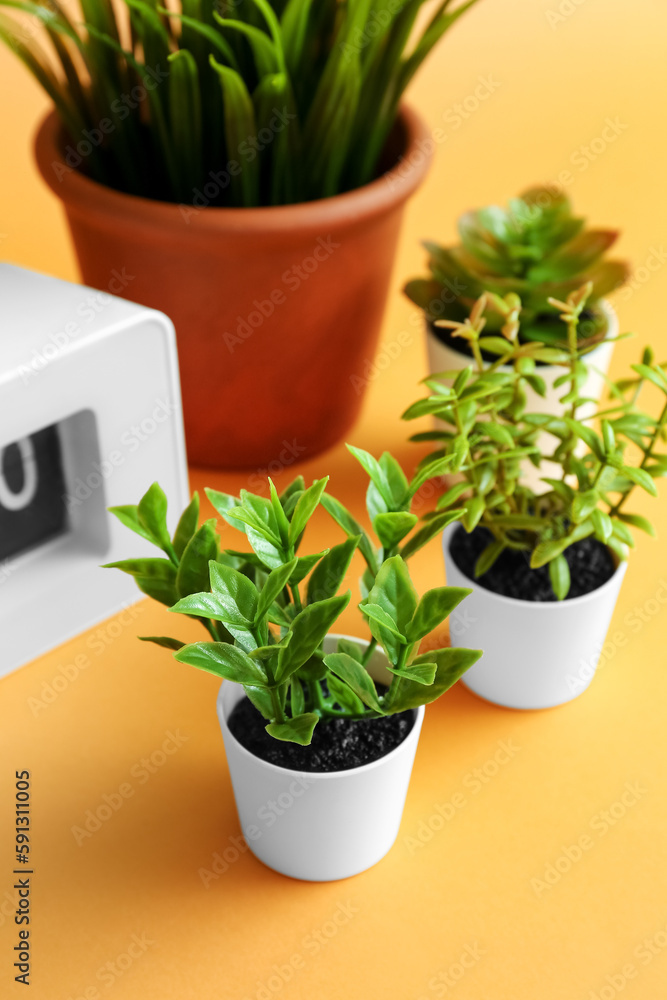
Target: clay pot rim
{"x":88,"y":197}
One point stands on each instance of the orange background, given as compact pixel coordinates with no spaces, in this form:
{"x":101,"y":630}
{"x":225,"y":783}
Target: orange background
{"x":469,"y":885}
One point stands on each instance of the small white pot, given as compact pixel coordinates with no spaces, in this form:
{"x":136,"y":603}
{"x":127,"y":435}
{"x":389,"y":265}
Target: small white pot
{"x":442,"y":357}
{"x":536,"y":654}
{"x":319,"y":826}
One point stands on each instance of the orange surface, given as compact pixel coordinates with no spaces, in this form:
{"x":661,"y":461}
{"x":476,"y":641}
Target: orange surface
{"x":455,"y":886}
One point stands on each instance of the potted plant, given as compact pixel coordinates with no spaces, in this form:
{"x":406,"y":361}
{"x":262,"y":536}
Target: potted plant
{"x":545,"y":567}
{"x":246,"y":164}
{"x":536,"y":249}
{"x":323,"y":724}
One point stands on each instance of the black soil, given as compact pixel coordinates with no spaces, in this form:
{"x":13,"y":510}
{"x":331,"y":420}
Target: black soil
{"x":590,"y":563}
{"x":337,"y":745}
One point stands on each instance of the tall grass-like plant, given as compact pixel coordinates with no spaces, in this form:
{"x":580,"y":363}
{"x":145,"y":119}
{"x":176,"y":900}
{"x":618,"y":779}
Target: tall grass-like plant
{"x":286,"y":101}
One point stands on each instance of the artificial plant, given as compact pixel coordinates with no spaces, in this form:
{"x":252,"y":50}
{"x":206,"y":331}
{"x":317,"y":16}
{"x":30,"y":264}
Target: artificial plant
{"x":268,"y":610}
{"x":486,"y":433}
{"x":293,"y":99}
{"x":537,"y":249}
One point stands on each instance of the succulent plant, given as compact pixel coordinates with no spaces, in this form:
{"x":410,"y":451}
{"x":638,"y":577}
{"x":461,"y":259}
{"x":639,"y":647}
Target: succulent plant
{"x":487,"y":432}
{"x":290,"y":99}
{"x":535,"y":248}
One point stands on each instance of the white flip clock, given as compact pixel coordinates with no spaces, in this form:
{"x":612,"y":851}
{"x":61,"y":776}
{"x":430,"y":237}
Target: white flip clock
{"x":90,"y":416}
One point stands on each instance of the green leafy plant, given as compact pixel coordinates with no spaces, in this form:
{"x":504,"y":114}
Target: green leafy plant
{"x":290,"y":99}
{"x":487,"y":433}
{"x":536,"y":249}
{"x":268,"y":610}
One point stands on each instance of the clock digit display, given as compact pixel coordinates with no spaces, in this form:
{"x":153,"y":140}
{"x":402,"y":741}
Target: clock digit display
{"x":32,"y":486}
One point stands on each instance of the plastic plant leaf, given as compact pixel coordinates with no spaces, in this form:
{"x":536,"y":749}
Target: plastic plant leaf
{"x":305,"y":509}
{"x":187,"y":525}
{"x":297,"y":730}
{"x":392,"y":527}
{"x":162,"y":640}
{"x":450,"y":665}
{"x":193,"y":571}
{"x":275,"y":583}
{"x":308,"y":631}
{"x":559,"y":574}
{"x":433,"y":608}
{"x":356,"y":677}
{"x":328,"y":575}
{"x":226,"y":661}
{"x":419,"y":673}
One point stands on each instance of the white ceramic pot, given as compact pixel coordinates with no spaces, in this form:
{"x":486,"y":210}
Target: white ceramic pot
{"x":442,"y":357}
{"x":324,"y":825}
{"x":536,"y":654}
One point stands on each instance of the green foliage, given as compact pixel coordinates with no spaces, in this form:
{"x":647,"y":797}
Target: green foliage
{"x":281,"y":101}
{"x":487,"y":432}
{"x":267,"y":611}
{"x":536,"y":249}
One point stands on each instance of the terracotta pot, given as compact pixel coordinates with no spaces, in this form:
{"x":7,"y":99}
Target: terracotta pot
{"x":276,"y":309}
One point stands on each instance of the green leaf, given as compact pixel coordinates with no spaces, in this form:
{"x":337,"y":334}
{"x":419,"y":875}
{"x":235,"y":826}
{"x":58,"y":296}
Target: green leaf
{"x":152,"y":514}
{"x":419,"y":673}
{"x":162,"y":640}
{"x":452,"y":495}
{"x":430,"y":530}
{"x":544,"y":552}
{"x":559,"y":574}
{"x":150,"y":569}
{"x":488,"y":556}
{"x":433,"y":608}
{"x":308,"y":631}
{"x":223,"y":660}
{"x":351,"y":527}
{"x":451,"y":664}
{"x":344,"y":695}
{"x":638,"y":522}
{"x":583,"y":504}
{"x":475,"y":507}
{"x":588,"y":436}
{"x":205,"y":605}
{"x":602,"y":524}
{"x":187,"y":526}
{"x":305,"y":508}
{"x":377,"y":615}
{"x":356,"y":677}
{"x":193,"y":571}
{"x":376,"y":473}
{"x":235,"y":591}
{"x":304,"y":565}
{"x":239,"y":125}
{"x":641,"y":478}
{"x":298,"y":730}
{"x":329,"y":574}
{"x":498,"y":433}
{"x":281,"y":518}
{"x":623,"y":533}
{"x":392,"y":527}
{"x":274,"y":586}
{"x":352,"y":649}
{"x":129,"y":516}
{"x":654,"y":375}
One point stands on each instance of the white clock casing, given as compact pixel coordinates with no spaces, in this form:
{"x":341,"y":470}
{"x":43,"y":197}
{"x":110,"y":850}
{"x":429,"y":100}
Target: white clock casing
{"x":104,"y":372}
